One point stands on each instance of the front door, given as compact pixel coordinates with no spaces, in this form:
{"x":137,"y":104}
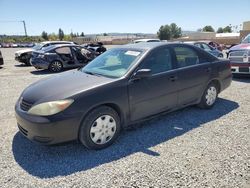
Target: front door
{"x":157,"y":93}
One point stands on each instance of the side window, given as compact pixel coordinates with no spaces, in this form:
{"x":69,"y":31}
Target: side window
{"x":63,"y":50}
{"x":206,"y":47}
{"x":198,"y":45}
{"x":159,"y":61}
{"x":186,"y":56}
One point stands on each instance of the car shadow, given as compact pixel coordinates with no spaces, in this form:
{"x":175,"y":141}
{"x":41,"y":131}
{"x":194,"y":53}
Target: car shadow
{"x":242,"y":78}
{"x":65,"y":159}
{"x":41,"y":72}
{"x":22,"y":65}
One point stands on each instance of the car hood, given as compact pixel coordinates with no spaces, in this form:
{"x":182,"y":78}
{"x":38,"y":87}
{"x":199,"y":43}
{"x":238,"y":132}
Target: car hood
{"x":241,"y":47}
{"x":24,"y":51}
{"x":62,"y":86}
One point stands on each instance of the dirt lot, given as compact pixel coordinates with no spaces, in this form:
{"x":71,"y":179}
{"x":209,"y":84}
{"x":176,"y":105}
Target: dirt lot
{"x":187,"y":148}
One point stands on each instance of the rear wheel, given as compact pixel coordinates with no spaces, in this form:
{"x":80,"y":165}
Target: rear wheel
{"x":209,"y":97}
{"x":100,"y":128}
{"x":56,"y":66}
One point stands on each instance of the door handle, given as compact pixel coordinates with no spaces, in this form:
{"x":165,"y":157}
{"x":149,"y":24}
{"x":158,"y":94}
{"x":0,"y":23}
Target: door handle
{"x":173,"y":78}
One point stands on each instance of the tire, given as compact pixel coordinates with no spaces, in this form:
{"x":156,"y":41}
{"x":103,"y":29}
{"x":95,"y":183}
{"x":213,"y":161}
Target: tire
{"x":100,"y":128}
{"x":56,"y":66}
{"x":209,"y":96}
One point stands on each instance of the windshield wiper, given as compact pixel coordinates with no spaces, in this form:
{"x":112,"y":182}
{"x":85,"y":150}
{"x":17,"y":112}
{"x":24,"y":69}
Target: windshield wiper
{"x":92,"y":73}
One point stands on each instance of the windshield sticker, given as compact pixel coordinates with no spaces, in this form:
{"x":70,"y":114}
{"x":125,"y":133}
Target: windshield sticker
{"x":133,"y":53}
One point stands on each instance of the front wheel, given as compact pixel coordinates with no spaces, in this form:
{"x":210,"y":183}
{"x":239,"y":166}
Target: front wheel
{"x":209,"y":97}
{"x":100,"y":128}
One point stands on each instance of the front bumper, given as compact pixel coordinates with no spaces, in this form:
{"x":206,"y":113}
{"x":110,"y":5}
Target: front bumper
{"x":22,"y":58}
{"x":240,"y":68}
{"x":46,"y":130}
{"x":39,"y":63}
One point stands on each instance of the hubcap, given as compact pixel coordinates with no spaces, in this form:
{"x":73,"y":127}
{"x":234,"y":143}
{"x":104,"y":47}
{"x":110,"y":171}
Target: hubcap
{"x":56,"y":66}
{"x":103,"y":129}
{"x":211,"y":95}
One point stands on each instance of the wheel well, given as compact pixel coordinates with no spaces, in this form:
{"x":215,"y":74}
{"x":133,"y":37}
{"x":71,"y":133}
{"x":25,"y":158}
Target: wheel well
{"x":111,"y":105}
{"x":217,"y":83}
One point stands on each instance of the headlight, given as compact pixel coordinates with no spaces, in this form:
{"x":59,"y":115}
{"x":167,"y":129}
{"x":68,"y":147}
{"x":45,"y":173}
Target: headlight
{"x":50,"y":108}
{"x":41,"y":56}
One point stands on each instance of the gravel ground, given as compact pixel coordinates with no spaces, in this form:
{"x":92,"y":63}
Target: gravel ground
{"x":187,"y":148}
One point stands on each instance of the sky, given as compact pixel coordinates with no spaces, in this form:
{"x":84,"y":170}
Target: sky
{"x":123,"y":16}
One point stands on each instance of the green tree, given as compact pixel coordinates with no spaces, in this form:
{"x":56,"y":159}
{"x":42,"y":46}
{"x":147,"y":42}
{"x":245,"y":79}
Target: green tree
{"x":45,"y":35}
{"x":82,"y":34}
{"x":164,"y":32}
{"x":105,"y":34}
{"x":60,"y":34}
{"x":220,"y":30}
{"x":208,"y":28}
{"x":175,"y":31}
{"x":227,"y":29}
{"x":167,"y":32}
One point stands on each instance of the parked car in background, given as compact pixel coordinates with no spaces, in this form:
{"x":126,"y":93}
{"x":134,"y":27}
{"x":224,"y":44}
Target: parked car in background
{"x":23,"y":56}
{"x":207,"y":48}
{"x":146,"y":40}
{"x":97,"y":47}
{"x":239,"y":56}
{"x":57,"y":57}
{"x":118,"y":88}
{"x":1,"y":58}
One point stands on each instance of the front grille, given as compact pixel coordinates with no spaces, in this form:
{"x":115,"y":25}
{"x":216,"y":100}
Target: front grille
{"x":243,"y":69}
{"x":25,"y":105}
{"x":22,"y":130}
{"x":236,"y":59}
{"x":237,"y":53}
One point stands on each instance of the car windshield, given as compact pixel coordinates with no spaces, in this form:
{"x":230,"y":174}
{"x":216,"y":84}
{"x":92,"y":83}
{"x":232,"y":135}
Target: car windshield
{"x":246,"y":39}
{"x":38,"y":47}
{"x":114,"y":63}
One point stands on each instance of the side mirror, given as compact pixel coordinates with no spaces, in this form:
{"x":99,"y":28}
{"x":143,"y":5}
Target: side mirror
{"x":142,"y":73}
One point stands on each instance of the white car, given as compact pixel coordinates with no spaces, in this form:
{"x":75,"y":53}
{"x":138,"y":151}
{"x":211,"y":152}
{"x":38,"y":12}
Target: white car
{"x":146,"y":40}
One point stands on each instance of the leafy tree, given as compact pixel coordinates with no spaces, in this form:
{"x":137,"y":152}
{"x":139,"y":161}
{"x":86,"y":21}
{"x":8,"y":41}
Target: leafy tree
{"x":167,"y":32}
{"x":60,"y":34}
{"x":208,"y":28}
{"x":77,"y":34}
{"x":105,"y":34}
{"x":82,"y":34}
{"x":45,"y":35}
{"x":220,"y":30}
{"x":164,"y":32}
{"x":175,"y":31}
{"x":227,"y":29}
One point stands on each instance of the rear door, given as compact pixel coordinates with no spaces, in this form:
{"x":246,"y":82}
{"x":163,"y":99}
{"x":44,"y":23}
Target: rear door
{"x":149,"y":96}
{"x":193,"y":74}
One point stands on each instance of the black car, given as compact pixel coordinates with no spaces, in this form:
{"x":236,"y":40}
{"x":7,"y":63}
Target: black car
{"x":118,"y":88}
{"x":57,"y":57}
{"x":1,"y":58}
{"x":23,"y":56}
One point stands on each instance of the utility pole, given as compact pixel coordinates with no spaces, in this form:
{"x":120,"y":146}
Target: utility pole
{"x":24,"y":25}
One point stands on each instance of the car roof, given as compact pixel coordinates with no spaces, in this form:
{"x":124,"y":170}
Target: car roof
{"x":149,"y":45}
{"x":62,"y":42}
